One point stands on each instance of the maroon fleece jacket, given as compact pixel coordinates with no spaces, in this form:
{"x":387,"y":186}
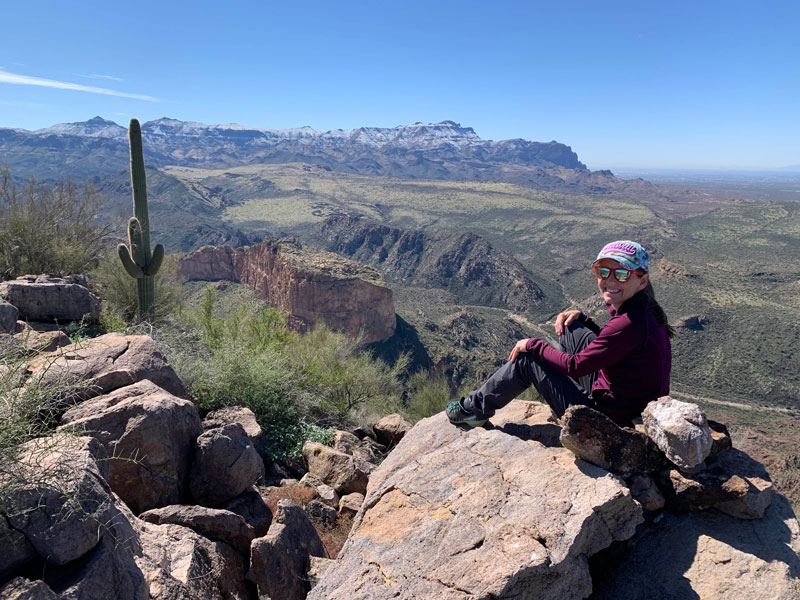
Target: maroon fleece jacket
{"x":631,"y":355}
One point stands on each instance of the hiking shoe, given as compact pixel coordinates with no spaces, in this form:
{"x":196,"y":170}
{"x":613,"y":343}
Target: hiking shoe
{"x":459,"y":415}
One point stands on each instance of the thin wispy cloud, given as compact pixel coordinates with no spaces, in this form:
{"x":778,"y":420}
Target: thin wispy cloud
{"x":13,"y":78}
{"x":96,"y":76}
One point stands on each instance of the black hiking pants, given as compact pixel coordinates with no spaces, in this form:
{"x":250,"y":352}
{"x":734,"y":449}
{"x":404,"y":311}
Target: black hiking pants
{"x":557,"y":389}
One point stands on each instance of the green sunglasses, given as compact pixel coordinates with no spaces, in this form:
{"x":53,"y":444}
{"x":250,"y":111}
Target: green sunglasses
{"x":621,"y":275}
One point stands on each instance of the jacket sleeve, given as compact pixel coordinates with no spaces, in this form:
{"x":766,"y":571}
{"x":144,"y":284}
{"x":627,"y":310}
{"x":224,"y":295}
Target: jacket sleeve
{"x":618,"y":338}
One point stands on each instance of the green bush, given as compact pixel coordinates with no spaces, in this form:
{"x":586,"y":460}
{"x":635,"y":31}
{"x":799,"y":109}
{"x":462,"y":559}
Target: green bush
{"x":47,"y":229}
{"x":298,"y":385}
{"x":118,"y":290}
{"x":426,"y":396}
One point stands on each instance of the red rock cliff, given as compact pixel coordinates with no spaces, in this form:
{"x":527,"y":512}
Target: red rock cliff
{"x":311,"y":286}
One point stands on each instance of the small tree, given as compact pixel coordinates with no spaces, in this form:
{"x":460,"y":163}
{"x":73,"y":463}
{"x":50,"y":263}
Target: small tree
{"x":46,"y":229}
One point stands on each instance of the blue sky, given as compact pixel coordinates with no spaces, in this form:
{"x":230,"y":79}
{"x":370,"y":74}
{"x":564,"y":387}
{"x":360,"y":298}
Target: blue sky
{"x":699,"y":84}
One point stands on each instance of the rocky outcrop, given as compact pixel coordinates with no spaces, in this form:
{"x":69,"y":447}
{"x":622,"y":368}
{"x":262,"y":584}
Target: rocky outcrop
{"x":43,"y":298}
{"x":454,"y":514}
{"x":151,"y":435}
{"x":106,"y":363}
{"x":463,"y":263}
{"x":60,"y":502}
{"x":311,"y":286}
{"x":706,"y":555}
{"x":244,"y":417}
{"x":499,"y":512}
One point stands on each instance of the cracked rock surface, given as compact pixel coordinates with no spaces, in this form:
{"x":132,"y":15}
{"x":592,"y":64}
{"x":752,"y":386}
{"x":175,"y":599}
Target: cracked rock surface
{"x":457,"y":514}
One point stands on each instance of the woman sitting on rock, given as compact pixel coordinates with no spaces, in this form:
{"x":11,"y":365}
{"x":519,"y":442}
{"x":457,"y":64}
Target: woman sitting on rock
{"x":617,"y":369}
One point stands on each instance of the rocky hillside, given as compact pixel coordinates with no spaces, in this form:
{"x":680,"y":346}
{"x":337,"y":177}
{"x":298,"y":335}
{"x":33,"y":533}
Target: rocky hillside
{"x":310,"y":286}
{"x":443,"y":150}
{"x":462,"y":263}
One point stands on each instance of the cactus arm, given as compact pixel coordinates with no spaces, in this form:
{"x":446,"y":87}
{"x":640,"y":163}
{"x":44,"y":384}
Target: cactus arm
{"x":155,"y":260}
{"x":127,"y":262}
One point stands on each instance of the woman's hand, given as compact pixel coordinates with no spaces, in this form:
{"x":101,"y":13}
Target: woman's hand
{"x":520,"y":346}
{"x":564,"y":319}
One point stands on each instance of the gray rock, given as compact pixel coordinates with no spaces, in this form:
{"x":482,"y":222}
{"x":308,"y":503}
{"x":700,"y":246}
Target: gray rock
{"x":20,"y":588}
{"x":390,"y":429}
{"x":595,"y":438}
{"x":328,"y":495}
{"x":344,"y":473}
{"x":322,"y":511}
{"x":151,"y":435}
{"x":645,"y":491}
{"x":351,"y":503}
{"x":680,"y":430}
{"x":280,"y":561}
{"x":17,"y":550}
{"x":8,"y":317}
{"x":180,"y":564}
{"x":213,"y":523}
{"x":734,"y":483}
{"x":225,"y":465}
{"x":349,"y":443}
{"x":43,"y":298}
{"x":107,"y":363}
{"x":246,"y":418}
{"x":458,"y":514}
{"x":706,"y":555}
{"x":64,"y":501}
{"x":252,"y":508}
{"x":720,"y":439}
{"x":758,"y":497}
{"x":317,"y":569}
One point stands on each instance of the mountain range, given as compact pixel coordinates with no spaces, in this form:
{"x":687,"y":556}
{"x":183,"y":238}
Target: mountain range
{"x":442,"y":151}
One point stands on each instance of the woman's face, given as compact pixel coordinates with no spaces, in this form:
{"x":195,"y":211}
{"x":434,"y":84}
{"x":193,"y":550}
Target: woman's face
{"x":616,"y":292}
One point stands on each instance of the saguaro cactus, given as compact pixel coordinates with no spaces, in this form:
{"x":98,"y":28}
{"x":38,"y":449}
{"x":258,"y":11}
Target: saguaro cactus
{"x":136,"y":259}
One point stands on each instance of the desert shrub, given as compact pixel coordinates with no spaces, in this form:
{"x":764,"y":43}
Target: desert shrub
{"x":298,"y":385}
{"x":46,"y":229}
{"x":426,"y":396}
{"x":337,"y":383}
{"x":118,"y":290}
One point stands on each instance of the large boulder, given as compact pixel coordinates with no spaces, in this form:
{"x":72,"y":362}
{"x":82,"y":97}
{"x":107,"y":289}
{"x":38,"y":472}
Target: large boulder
{"x":680,"y":430}
{"x":150,"y":434}
{"x":20,"y":588}
{"x":246,"y":418}
{"x":58,"y":498}
{"x":225,"y":465}
{"x":108,"y":362}
{"x":213,"y":523}
{"x":457,"y":514}
{"x":280,"y":561}
{"x":706,"y":555}
{"x":252,"y":508}
{"x":62,"y":505}
{"x":595,"y":438}
{"x":179,"y":564}
{"x":43,"y":298}
{"x":344,"y":473}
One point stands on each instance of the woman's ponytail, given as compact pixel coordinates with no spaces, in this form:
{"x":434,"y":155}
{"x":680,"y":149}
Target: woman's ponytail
{"x":658,"y":312}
